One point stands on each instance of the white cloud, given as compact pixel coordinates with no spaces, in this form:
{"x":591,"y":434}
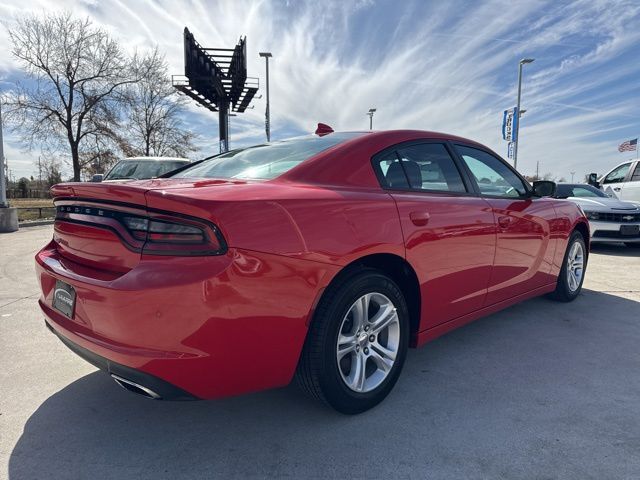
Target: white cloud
{"x":445,"y":66}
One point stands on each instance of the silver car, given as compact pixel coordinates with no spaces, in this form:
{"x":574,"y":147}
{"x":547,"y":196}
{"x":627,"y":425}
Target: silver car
{"x":610,"y":219}
{"x":141,"y":168}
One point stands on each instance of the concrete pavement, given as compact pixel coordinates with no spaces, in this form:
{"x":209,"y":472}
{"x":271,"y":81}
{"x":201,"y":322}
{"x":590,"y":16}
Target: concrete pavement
{"x":541,"y":390}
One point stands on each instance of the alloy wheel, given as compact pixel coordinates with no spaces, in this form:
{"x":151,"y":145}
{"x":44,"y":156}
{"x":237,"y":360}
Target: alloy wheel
{"x":368,"y":342}
{"x":575,"y":266}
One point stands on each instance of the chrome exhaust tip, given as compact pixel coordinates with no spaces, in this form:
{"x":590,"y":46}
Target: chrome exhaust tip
{"x":135,"y":387}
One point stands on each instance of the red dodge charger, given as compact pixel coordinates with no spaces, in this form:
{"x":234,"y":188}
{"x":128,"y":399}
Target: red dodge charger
{"x":321,"y":257}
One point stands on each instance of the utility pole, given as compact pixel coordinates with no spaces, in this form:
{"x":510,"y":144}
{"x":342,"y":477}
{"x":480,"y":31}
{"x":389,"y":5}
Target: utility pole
{"x":8,"y":215}
{"x":3,"y":183}
{"x":267,"y":113}
{"x":538,"y":170}
{"x":370,"y":113}
{"x":517,"y":132}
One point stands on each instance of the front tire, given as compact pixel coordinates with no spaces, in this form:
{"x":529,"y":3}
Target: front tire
{"x":357,"y":343}
{"x":574,"y":265}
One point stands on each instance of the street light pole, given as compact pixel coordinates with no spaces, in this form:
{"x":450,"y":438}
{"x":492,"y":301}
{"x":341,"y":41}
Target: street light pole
{"x":517,"y":132}
{"x":267,"y":113}
{"x":370,"y":113}
{"x":572,"y":174}
{"x":3,"y":184}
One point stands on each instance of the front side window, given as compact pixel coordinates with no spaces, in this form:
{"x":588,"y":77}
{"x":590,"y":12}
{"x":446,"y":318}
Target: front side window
{"x":425,"y":166}
{"x":636,"y":174}
{"x":618,"y":174}
{"x":493,"y":177}
{"x":265,"y":161}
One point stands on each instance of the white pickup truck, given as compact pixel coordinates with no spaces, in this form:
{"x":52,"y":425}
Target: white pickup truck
{"x":622,"y":182}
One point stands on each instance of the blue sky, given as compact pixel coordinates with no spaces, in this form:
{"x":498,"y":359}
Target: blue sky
{"x":434,"y":65}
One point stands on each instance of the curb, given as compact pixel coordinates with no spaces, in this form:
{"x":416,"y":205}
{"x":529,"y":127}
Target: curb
{"x":36,"y":223}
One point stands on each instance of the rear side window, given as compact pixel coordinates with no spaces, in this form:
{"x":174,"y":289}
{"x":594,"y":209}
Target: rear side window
{"x":425,"y":167}
{"x":636,"y":174}
{"x":392,"y":172}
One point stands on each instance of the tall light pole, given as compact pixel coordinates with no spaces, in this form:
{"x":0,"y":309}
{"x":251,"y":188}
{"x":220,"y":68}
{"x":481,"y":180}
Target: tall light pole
{"x":370,"y":113}
{"x":572,"y":174}
{"x":3,"y":192}
{"x":267,"y":113}
{"x":515,"y":146}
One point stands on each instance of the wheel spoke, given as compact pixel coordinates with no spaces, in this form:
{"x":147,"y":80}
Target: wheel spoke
{"x":385,"y":316}
{"x":383,"y":351}
{"x":357,"y":376}
{"x":345,"y":349}
{"x":381,"y":362}
{"x":360,"y":312}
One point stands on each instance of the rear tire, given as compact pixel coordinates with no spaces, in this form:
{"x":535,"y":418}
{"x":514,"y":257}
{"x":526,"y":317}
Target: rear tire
{"x":574,"y":265}
{"x":351,"y":360}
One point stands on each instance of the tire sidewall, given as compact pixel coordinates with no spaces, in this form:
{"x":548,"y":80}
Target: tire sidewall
{"x":337,"y":392}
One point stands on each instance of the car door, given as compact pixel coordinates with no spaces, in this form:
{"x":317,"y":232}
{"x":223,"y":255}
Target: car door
{"x":524,"y":247}
{"x":613,"y":181}
{"x":630,"y":190}
{"x":449,"y":231}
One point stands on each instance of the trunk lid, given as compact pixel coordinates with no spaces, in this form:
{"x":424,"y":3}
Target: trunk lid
{"x":89,"y":227}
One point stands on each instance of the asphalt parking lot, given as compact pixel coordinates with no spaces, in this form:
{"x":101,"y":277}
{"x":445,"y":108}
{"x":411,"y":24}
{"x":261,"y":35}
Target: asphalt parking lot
{"x":540,"y":390}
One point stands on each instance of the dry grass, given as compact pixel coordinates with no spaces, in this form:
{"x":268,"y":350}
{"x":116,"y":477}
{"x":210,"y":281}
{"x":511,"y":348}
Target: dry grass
{"x":30,"y":202}
{"x":33,"y":204}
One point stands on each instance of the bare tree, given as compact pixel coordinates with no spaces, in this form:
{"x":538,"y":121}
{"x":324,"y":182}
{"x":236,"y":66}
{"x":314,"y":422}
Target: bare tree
{"x":51,"y":171}
{"x":77,"y":75}
{"x":154,"y":116}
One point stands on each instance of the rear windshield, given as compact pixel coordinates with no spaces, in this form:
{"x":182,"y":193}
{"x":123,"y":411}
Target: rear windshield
{"x":142,"y":169}
{"x":264,"y":161}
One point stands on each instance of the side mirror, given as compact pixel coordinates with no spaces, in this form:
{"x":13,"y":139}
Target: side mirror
{"x":544,"y":188}
{"x":593,"y":180}
{"x":97,"y":177}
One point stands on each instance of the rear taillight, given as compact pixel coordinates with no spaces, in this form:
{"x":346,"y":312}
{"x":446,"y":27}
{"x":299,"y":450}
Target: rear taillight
{"x":156,"y":233}
{"x":168,"y":236}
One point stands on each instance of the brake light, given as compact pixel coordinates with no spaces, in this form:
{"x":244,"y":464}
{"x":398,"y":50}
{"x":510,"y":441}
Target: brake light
{"x":164,"y":236}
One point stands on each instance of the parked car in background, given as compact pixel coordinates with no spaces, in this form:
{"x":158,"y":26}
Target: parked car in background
{"x":321,"y":257}
{"x":622,"y":182}
{"x":610,"y":219}
{"x":141,"y":168}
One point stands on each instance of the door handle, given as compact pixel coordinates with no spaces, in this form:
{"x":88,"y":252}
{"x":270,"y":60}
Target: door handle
{"x":419,"y":218}
{"x":504,"y":222}
{"x":616,"y":189}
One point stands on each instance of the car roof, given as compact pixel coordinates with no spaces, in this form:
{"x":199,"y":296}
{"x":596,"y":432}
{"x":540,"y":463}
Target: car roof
{"x":158,"y":159}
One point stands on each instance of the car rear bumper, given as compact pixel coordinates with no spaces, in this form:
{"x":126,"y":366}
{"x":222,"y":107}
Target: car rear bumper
{"x":150,"y":385}
{"x":203,"y":327}
{"x":610,"y":232}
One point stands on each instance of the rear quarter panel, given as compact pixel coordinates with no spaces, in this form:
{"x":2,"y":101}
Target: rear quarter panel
{"x":320,"y":223}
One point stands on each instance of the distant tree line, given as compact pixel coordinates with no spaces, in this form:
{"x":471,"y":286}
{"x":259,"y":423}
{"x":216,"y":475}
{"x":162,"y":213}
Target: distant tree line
{"x":545,"y":176}
{"x":87,"y":101}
